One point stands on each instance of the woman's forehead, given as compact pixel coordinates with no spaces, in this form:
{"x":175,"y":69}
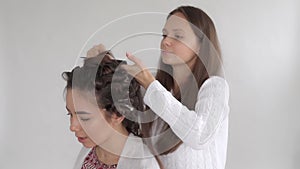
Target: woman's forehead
{"x":83,"y":100}
{"x":177,"y":22}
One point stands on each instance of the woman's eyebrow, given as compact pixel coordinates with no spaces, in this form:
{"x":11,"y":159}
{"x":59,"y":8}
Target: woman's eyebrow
{"x":82,"y":112}
{"x":178,"y":30}
{"x":78,"y":112}
{"x":174,"y":30}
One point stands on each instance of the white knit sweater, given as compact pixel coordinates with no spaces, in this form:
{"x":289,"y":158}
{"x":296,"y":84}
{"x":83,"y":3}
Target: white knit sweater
{"x":204,"y":131}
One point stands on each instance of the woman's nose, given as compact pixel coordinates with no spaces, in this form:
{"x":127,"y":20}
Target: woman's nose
{"x":74,"y":124}
{"x":167,"y":41}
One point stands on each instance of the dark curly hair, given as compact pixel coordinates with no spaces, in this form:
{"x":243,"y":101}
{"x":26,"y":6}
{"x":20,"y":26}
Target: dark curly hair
{"x":114,"y":89}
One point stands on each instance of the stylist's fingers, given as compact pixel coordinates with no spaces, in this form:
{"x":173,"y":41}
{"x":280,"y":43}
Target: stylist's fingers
{"x":95,"y":50}
{"x":134,"y":69}
{"x":139,"y":71}
{"x":135,"y":60}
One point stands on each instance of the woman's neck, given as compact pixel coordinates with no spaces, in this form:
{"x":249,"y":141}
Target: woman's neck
{"x":110,"y":151}
{"x":106,"y":156}
{"x":181,"y":72}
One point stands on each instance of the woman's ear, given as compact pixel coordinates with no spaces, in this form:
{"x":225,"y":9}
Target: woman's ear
{"x":115,"y":120}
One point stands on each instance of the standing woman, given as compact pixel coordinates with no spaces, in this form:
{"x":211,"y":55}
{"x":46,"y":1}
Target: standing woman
{"x":189,"y":94}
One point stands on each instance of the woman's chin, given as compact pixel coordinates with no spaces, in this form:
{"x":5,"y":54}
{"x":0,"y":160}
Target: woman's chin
{"x":88,"y":145}
{"x":166,"y":61}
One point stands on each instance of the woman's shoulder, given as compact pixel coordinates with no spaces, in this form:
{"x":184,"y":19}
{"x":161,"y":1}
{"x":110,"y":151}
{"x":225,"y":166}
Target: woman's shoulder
{"x":135,"y":147}
{"x":136,"y":155}
{"x":214,"y":82}
{"x":84,"y":152}
{"x":214,"y":87}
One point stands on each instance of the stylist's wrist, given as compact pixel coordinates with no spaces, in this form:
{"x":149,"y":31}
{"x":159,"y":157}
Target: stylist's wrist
{"x":150,"y":78}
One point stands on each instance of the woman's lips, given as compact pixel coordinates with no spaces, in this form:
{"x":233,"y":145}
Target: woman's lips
{"x":82,"y":139}
{"x":166,"y":53}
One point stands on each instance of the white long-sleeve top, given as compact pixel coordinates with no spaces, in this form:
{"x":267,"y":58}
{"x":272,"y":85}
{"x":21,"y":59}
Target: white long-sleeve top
{"x":204,"y":131}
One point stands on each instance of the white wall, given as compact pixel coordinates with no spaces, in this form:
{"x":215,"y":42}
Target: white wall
{"x":260,"y":41}
{"x":3,"y":82}
{"x":40,"y":39}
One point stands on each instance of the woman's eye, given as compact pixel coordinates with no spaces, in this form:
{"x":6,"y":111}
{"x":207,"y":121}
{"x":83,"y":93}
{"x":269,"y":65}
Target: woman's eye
{"x":164,"y":36}
{"x":178,"y":37}
{"x":69,"y":114}
{"x":84,"y":119}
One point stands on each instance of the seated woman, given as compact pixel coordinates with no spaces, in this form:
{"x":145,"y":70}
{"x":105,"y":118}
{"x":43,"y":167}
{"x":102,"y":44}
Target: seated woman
{"x":100,"y":96}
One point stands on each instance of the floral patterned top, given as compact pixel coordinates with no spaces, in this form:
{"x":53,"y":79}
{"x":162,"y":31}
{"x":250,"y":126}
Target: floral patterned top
{"x":91,"y":161}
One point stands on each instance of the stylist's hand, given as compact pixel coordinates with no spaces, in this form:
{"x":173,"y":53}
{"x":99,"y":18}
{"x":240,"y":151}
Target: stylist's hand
{"x":139,"y":71}
{"x":95,"y":51}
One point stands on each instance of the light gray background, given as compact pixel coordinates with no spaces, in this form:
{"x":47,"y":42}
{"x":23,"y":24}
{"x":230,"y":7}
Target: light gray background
{"x":39,"y":39}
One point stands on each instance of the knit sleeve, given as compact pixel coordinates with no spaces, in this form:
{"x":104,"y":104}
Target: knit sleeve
{"x":196,"y":127}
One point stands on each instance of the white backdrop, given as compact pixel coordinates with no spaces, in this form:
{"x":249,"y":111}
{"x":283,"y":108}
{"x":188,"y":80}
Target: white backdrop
{"x":39,"y":39}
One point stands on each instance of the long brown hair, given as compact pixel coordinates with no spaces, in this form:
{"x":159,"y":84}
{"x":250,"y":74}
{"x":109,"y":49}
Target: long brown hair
{"x":208,"y":63}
